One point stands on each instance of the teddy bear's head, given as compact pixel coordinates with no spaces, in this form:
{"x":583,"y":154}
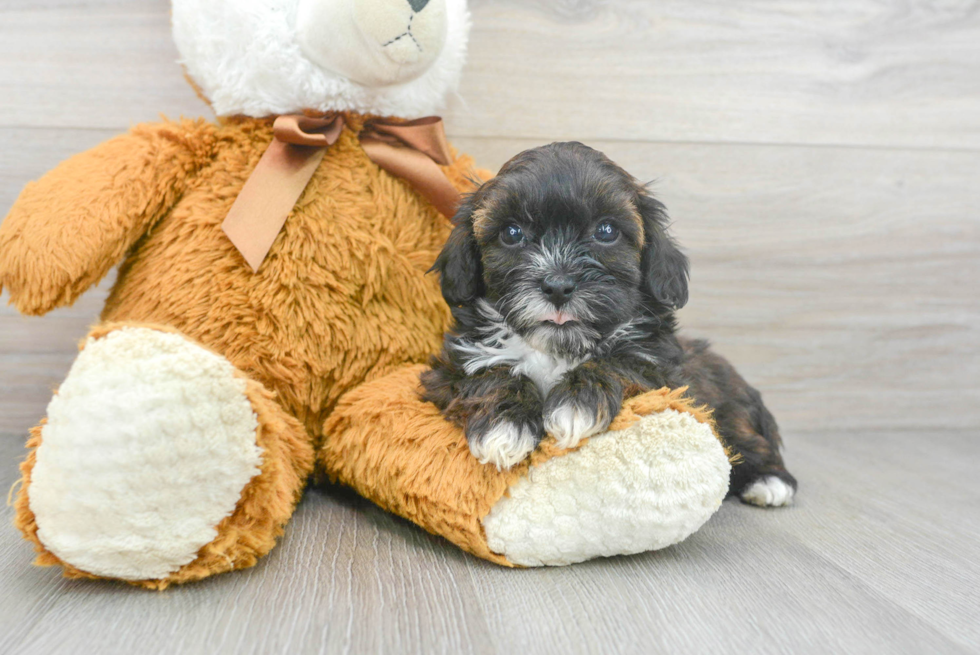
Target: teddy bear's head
{"x":265,"y":57}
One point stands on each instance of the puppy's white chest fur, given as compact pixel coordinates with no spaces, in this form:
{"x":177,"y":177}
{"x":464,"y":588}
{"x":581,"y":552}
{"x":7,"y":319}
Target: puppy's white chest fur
{"x":502,"y":346}
{"x":512,"y":350}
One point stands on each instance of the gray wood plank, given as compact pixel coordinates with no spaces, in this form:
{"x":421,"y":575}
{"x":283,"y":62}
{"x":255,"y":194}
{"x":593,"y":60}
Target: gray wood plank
{"x":345,"y":578}
{"x":114,"y":63}
{"x":898,"y":512}
{"x":728,"y":589}
{"x":90,"y":65}
{"x":804,"y":71}
{"x":857,"y":565}
{"x":870,"y":559}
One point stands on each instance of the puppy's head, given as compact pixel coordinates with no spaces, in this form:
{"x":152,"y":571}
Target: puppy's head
{"x":566,"y":245}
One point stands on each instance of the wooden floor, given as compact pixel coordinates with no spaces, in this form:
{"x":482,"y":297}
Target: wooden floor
{"x":821,"y":160}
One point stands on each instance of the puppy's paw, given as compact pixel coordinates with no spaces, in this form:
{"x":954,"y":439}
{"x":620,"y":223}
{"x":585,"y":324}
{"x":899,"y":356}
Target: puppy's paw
{"x":583,"y":403}
{"x":571,"y":421}
{"x":768,"y":491}
{"x":504,"y":444}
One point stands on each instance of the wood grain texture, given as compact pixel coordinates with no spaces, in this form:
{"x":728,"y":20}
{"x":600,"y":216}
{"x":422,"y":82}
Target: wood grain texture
{"x":858,"y":565}
{"x":819,"y":160}
{"x":100,"y":64}
{"x":755,"y":71}
{"x":797,"y":71}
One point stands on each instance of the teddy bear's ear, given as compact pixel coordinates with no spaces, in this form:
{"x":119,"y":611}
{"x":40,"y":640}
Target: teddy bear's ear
{"x":459,"y":265}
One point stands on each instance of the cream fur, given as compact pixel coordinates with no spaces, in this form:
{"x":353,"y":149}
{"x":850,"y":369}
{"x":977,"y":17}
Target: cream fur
{"x":387,"y":42}
{"x":247,"y":57}
{"x":588,"y":504}
{"x":148,"y":445}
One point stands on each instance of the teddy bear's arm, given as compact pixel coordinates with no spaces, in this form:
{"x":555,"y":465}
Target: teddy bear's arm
{"x":68,"y":229}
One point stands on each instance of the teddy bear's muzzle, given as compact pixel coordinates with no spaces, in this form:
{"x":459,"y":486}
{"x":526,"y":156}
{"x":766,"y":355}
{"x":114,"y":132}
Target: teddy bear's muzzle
{"x":372,"y":42}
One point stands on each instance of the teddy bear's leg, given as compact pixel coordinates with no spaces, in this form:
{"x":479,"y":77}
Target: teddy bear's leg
{"x":651,"y":480}
{"x":159,"y":462}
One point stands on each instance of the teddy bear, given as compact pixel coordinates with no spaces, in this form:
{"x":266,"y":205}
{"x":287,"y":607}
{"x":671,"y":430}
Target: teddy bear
{"x":272,"y":313}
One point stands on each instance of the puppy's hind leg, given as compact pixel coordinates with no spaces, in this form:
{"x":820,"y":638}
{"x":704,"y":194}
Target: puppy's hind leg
{"x":759,"y":476}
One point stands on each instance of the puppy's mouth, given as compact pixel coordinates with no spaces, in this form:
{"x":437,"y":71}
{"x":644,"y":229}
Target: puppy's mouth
{"x":559,"y":318}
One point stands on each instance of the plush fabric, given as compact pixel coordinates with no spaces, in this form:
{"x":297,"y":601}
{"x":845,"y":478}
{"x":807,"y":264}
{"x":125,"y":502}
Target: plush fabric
{"x":342,"y":298}
{"x":372,"y":42}
{"x":665,"y":475}
{"x":645,"y":487}
{"x":181,"y":433}
{"x":343,"y":295}
{"x":246,"y":58}
{"x":259,"y":513}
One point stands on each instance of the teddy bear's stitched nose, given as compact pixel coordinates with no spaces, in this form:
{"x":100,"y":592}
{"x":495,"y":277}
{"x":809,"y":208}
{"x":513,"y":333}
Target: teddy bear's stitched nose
{"x":418,"y":5}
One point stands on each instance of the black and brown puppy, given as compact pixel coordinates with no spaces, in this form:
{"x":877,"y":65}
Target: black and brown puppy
{"x":563,"y":283}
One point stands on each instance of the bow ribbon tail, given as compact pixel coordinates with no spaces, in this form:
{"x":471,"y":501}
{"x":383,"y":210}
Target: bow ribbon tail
{"x":278,"y":181}
{"x":269,"y":195}
{"x":416,"y":168}
{"x":411,"y":151}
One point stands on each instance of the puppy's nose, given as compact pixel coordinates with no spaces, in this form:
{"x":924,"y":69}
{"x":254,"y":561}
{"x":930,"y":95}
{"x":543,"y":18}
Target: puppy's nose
{"x":558,"y":289}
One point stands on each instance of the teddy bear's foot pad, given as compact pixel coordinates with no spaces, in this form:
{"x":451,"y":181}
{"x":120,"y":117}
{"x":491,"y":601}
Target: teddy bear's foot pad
{"x":148,"y":445}
{"x":642,"y":488}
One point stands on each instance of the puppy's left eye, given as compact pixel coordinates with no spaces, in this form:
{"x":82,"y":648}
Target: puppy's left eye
{"x":606,"y":232}
{"x":511,"y":235}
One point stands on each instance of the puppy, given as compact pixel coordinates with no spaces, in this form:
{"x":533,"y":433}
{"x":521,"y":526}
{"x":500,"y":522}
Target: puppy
{"x":563,"y":282}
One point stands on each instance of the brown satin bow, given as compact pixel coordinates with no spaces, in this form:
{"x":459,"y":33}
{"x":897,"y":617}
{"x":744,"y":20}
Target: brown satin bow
{"x":412,"y":151}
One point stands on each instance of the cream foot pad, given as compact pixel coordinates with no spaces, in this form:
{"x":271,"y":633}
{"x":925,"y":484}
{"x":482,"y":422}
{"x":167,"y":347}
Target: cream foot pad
{"x":642,"y":488}
{"x":147,"y":447}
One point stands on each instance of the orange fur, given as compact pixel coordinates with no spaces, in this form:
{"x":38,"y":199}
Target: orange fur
{"x":396,"y":450}
{"x":343,"y":296}
{"x":68,"y":229}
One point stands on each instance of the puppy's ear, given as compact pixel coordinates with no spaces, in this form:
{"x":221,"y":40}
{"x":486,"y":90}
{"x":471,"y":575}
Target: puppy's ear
{"x":664,"y":265}
{"x":459,"y":266}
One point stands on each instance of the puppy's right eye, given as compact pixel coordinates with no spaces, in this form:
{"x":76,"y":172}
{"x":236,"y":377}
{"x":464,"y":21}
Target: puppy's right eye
{"x":511,"y":235}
